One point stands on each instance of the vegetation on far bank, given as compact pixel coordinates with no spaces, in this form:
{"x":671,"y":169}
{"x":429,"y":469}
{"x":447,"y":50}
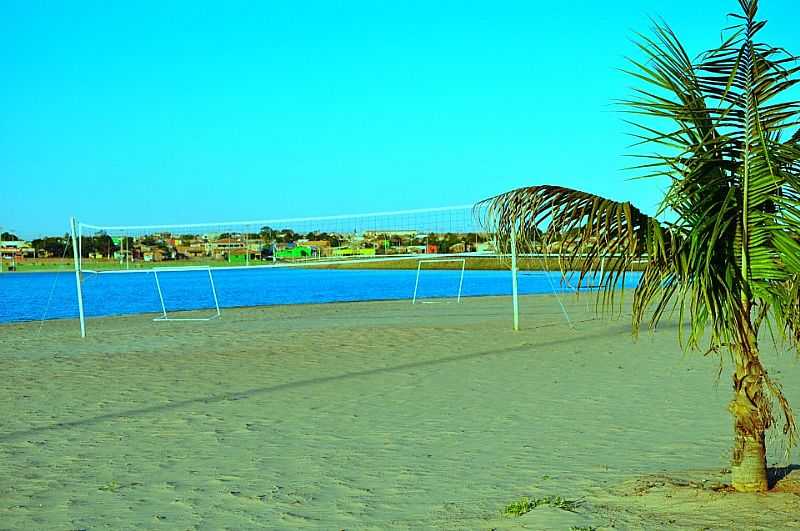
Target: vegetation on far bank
{"x":472,"y":264}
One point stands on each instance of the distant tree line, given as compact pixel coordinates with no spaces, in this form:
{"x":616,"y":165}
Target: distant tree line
{"x":60,"y":246}
{"x":270,"y":235}
{"x":54,"y":245}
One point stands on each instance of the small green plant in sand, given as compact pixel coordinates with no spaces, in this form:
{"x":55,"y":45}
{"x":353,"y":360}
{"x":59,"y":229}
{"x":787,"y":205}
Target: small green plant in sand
{"x":518,"y":508}
{"x":111,"y":486}
{"x":525,"y":505}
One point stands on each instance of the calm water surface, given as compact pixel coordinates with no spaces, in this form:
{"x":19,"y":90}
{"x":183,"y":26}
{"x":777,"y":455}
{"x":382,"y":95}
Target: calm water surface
{"x":34,"y":296}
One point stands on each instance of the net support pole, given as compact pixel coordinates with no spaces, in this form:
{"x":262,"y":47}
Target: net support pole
{"x":514,"y":290}
{"x":416,"y":283}
{"x":80,"y":245}
{"x":461,"y":280}
{"x":160,"y":294}
{"x":214,"y":292}
{"x":77,"y":260}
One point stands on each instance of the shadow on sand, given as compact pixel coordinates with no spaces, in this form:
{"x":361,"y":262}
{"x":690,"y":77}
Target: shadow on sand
{"x":778,"y":473}
{"x":247,"y":393}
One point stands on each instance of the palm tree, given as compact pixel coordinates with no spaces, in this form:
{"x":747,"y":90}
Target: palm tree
{"x":723,"y":250}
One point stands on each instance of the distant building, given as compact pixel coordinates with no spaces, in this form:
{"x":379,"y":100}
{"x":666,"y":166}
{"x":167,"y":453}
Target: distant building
{"x":295,"y":251}
{"x":18,"y":250}
{"x":153,"y":255}
{"x":372,"y":234}
{"x":320,"y":247}
{"x":315,"y":243}
{"x":243,"y":256}
{"x":222,"y":247}
{"x":193,"y":250}
{"x":349,"y":251}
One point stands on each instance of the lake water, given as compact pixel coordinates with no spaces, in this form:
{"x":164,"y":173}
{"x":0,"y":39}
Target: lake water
{"x":34,"y":296}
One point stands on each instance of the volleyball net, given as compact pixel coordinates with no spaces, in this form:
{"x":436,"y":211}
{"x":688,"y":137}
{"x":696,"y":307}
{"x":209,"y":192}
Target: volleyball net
{"x":171,"y":268}
{"x":285,"y":242}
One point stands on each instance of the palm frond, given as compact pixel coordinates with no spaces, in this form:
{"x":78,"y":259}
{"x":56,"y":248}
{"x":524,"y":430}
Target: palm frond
{"x":583,"y":229}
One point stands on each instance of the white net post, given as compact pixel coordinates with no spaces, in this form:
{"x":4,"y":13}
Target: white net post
{"x":514,"y":287}
{"x":79,"y":288}
{"x":160,"y":296}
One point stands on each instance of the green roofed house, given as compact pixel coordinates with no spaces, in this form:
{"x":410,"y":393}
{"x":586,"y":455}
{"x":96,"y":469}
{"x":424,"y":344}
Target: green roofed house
{"x":242,"y":256}
{"x":298,"y":251}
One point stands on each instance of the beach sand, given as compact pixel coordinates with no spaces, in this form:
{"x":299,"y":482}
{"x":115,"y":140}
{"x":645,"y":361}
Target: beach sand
{"x":378,"y":415}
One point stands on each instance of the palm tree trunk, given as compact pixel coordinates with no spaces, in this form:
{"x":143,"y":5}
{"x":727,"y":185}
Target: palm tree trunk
{"x":749,"y":463}
{"x":750,"y":473}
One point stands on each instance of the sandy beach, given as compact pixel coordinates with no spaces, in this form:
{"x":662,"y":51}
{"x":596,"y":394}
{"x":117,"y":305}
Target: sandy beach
{"x":378,"y":415}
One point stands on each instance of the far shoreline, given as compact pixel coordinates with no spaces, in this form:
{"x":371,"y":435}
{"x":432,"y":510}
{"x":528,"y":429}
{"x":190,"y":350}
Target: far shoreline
{"x":261,"y":307}
{"x":485,"y":263}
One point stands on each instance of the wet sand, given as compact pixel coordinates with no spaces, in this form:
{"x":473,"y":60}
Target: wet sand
{"x":378,"y":415}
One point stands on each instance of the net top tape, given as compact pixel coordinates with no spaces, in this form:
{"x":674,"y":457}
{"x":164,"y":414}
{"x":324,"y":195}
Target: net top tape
{"x":278,"y":221}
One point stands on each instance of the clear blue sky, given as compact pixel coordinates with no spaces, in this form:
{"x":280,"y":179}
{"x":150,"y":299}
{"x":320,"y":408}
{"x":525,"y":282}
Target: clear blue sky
{"x":150,"y":112}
